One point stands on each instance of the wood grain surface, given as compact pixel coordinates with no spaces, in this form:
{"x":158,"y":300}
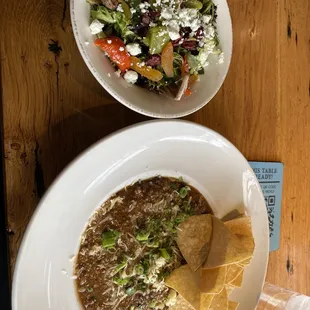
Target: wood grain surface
{"x":54,"y":109}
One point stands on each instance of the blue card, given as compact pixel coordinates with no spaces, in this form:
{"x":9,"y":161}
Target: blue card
{"x":270,"y":177}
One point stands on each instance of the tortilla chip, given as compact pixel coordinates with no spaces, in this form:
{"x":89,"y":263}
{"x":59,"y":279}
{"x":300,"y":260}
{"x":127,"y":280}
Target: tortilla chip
{"x":181,"y":304}
{"x":232,"y":305}
{"x":220,"y":301}
{"x":244,"y":263}
{"x":205,"y":301}
{"x":211,"y":281}
{"x":225,"y":247}
{"x":232,"y":215}
{"x":183,"y":281}
{"x":229,"y":288}
{"x":193,"y":239}
{"x":233,"y":272}
{"x":240,"y":226}
{"x":247,"y":242}
{"x":238,"y":281}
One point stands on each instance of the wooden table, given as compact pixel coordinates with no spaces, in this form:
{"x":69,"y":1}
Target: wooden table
{"x":54,"y":109}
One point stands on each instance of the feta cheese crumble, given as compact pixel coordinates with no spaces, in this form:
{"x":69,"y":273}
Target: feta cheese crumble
{"x":120,"y":8}
{"x":173,"y":30}
{"x":131,"y":76}
{"x":206,"y":19}
{"x":133,"y":49}
{"x":96,"y":26}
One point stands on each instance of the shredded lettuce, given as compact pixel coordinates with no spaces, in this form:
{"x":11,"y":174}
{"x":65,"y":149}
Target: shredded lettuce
{"x":118,"y":19}
{"x":103,"y":14}
{"x":193,"y":63}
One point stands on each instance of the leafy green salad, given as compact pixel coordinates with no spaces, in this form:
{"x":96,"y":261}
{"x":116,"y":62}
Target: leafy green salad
{"x":161,"y":45}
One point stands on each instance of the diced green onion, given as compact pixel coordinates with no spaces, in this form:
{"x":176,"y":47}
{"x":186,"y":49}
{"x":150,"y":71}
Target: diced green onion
{"x":181,"y":218}
{"x":187,"y":205}
{"x":163,"y":275}
{"x":183,"y":192}
{"x":141,"y":286}
{"x":180,"y":179}
{"x":169,"y":226}
{"x":120,"y":266}
{"x":130,"y":291}
{"x":174,"y":186}
{"x":146,"y":265}
{"x":152,"y":304}
{"x":109,"y":238}
{"x":164,"y":253}
{"x":120,"y":281}
{"x":139,"y":269}
{"x":89,"y":289}
{"x":152,"y":244}
{"x":143,"y":236}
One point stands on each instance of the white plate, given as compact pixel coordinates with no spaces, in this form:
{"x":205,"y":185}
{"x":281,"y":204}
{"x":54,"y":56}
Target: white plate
{"x":42,"y":278}
{"x":141,"y":100}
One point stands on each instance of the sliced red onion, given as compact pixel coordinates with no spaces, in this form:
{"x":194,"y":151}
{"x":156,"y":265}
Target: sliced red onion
{"x":183,"y":87}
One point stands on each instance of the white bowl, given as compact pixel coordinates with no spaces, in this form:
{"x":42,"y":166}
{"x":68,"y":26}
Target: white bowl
{"x":43,"y":272}
{"x":141,"y":100}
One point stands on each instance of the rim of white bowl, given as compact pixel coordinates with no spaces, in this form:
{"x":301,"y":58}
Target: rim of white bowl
{"x":121,"y":99}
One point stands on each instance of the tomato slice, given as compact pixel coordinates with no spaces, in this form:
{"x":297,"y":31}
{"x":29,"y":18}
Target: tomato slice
{"x":192,"y":80}
{"x":185,"y":69}
{"x":116,"y":50}
{"x":188,"y":92}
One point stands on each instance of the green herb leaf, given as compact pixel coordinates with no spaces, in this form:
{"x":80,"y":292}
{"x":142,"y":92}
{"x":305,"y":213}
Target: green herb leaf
{"x":118,"y":19}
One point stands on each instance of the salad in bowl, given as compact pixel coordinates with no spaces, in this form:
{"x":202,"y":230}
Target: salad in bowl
{"x":161,"y":45}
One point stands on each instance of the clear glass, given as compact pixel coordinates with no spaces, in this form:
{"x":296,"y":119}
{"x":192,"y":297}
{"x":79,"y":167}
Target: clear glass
{"x":274,"y":297}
